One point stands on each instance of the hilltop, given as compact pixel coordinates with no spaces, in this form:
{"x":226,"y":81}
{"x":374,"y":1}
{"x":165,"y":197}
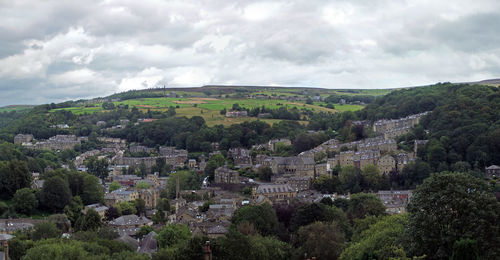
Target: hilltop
{"x":212,"y":102}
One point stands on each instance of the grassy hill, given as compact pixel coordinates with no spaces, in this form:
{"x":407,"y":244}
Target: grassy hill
{"x":15,"y":108}
{"x":208,"y":101}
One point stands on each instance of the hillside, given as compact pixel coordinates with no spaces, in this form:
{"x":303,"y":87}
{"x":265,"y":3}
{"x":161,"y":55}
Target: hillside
{"x":464,"y":125}
{"x":209,"y":101}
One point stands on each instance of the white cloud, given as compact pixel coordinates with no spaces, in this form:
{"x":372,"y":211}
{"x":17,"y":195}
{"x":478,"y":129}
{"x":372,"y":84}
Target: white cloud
{"x":261,"y":11}
{"x":54,"y":50}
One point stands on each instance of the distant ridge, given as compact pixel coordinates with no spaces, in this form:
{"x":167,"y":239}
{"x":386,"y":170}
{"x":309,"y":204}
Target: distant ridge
{"x":493,"y":82}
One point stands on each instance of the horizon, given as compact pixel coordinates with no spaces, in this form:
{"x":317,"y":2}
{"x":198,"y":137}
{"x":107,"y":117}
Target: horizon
{"x":260,"y":86}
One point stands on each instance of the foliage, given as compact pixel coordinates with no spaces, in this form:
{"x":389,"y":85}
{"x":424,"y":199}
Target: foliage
{"x":448,"y":207}
{"x":310,"y":213}
{"x":320,"y":240}
{"x":362,"y":205}
{"x":111,"y":213}
{"x":83,"y":184}
{"x":413,"y":174}
{"x":62,"y":222}
{"x":371,"y":178}
{"x":90,"y":221}
{"x":126,"y":208}
{"x":173,"y":235}
{"x":159,"y":217}
{"x":3,"y":207}
{"x":239,"y":247}
{"x":213,"y":163}
{"x":304,"y":141}
{"x":55,"y":194}
{"x":188,"y":180}
{"x":378,"y":240}
{"x":140,"y":206}
{"x":143,"y":231}
{"x":114,"y":186}
{"x":163,"y":204}
{"x":263,"y":217}
{"x":25,"y":201}
{"x":142,"y":185}
{"x":45,"y":230}
{"x":350,"y":178}
{"x":90,"y":247}
{"x":463,"y":125}
{"x":465,"y":249}
{"x":73,"y":209}
{"x":326,"y":184}
{"x":265,"y":173}
{"x":97,"y":167}
{"x":14,"y":175}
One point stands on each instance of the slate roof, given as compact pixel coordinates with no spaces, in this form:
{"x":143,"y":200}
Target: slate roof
{"x":130,"y":220}
{"x":218,"y":229}
{"x":273,"y":188}
{"x":129,"y":241}
{"x":149,"y":244}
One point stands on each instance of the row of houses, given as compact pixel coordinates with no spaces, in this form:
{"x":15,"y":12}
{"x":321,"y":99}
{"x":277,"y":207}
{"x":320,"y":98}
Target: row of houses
{"x":295,"y":165}
{"x":385,"y":163}
{"x":386,"y":125}
{"x":58,"y":142}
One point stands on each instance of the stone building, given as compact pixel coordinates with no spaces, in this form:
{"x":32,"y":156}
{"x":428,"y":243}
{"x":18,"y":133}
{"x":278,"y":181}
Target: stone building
{"x":393,"y":133}
{"x":395,"y":201}
{"x":322,"y":169}
{"x":241,"y":157}
{"x":149,"y":162}
{"x":140,"y":149}
{"x":274,"y":192}
{"x":23,"y":138}
{"x":235,"y":114}
{"x":492,"y":171}
{"x":192,"y":164}
{"x":386,"y":164}
{"x":384,"y":145}
{"x":384,"y":125}
{"x":297,"y":183}
{"x":174,"y":157}
{"x":403,"y":159}
{"x":129,"y":224}
{"x":150,"y":197}
{"x":300,"y":166}
{"x":98,"y":207}
{"x":226,"y":175}
{"x":58,"y":142}
{"x":357,"y":159}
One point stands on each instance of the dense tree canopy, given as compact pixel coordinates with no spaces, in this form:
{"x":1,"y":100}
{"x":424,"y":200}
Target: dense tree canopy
{"x":55,"y":194}
{"x":448,"y":207}
{"x":263,"y":217}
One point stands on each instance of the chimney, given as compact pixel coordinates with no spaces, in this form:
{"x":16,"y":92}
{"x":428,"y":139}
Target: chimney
{"x":208,"y":251}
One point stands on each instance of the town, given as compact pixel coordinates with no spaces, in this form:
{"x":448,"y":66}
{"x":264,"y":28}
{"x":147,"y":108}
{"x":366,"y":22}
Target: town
{"x":208,"y":210}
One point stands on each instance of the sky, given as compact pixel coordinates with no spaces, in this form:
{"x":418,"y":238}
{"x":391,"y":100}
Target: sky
{"x":52,"y":51}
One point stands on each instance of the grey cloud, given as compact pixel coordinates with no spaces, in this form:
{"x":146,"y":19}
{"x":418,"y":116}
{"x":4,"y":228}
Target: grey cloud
{"x":51,"y":51}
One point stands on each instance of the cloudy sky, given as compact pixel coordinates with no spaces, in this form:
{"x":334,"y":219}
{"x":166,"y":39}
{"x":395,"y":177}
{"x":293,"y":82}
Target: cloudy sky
{"x":51,"y":51}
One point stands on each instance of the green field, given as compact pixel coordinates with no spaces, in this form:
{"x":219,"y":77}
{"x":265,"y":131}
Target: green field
{"x":211,"y":107}
{"x":15,"y":108}
{"x":208,"y":101}
{"x":213,"y":117}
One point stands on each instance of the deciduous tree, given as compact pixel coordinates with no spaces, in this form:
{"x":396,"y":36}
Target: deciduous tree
{"x":448,"y":207}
